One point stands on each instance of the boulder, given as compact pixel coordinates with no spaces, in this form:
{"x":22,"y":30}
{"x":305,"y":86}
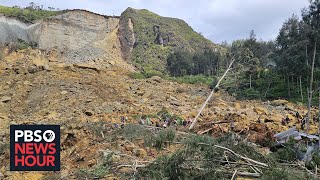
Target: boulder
{"x":237,"y":105}
{"x":257,"y":127}
{"x":129,"y":147}
{"x":139,"y":152}
{"x":279,"y":102}
{"x":5,"y":99}
{"x":157,"y":79}
{"x":260,"y":110}
{"x":87,"y":66}
{"x":64,"y":92}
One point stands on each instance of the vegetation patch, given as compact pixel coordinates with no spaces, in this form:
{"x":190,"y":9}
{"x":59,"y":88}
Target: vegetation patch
{"x":29,"y":14}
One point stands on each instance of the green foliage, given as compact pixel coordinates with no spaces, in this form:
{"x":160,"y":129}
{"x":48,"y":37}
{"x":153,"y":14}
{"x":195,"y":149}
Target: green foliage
{"x":201,"y":63}
{"x":289,"y":152}
{"x":137,"y":75}
{"x":28,"y":14}
{"x":148,"y":27}
{"x":99,"y":171}
{"x":163,"y":137}
{"x":21,"y":44}
{"x":150,"y":73}
{"x":3,"y":148}
{"x":157,"y":139}
{"x":250,"y":93}
{"x":198,"y":158}
{"x":314,"y":162}
{"x":134,"y":131}
{"x":193,"y":79}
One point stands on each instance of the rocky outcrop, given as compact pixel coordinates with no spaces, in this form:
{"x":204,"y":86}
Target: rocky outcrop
{"x":77,"y":36}
{"x":12,"y":30}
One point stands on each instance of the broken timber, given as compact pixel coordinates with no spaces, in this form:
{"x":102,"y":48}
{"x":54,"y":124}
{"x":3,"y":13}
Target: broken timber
{"x":211,"y":94}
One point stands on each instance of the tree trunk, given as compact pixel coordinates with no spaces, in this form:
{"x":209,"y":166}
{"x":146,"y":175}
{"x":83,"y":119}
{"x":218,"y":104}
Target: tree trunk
{"x":319,"y":117}
{"x":289,"y":94}
{"x":298,"y":86}
{"x":307,"y":55}
{"x":265,"y":95}
{"x":211,"y":94}
{"x":301,"y":92}
{"x":310,"y":90}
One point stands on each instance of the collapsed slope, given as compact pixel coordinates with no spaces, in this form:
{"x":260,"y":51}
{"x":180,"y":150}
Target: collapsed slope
{"x":140,"y":37}
{"x":75,"y":36}
{"x":87,"y":101}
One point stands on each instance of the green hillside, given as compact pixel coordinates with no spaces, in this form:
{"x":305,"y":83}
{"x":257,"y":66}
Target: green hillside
{"x":26,"y":15}
{"x":176,"y":35}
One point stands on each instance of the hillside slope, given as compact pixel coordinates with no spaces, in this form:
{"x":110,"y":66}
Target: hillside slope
{"x":148,"y":38}
{"x":140,"y":37}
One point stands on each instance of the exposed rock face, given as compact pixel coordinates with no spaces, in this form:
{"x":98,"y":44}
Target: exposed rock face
{"x":76,"y":36}
{"x":126,"y":36}
{"x":140,"y":37}
{"x":12,"y":29}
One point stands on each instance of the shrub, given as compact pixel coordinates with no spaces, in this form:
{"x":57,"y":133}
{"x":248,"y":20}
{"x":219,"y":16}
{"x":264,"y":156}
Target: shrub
{"x":27,"y":15}
{"x":164,"y":137}
{"x":3,"y":148}
{"x":137,"y":75}
{"x":98,"y":172}
{"x":150,"y":73}
{"x":193,"y":79}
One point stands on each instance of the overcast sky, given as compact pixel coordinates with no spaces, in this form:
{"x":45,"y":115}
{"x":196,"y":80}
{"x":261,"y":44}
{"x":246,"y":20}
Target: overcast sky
{"x":218,"y":20}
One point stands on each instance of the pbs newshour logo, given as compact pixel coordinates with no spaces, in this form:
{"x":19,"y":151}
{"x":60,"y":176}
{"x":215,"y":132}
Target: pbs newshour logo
{"x":34,"y":148}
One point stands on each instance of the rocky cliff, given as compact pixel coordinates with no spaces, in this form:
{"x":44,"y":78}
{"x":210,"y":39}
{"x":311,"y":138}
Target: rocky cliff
{"x":140,"y":37}
{"x":78,"y":36}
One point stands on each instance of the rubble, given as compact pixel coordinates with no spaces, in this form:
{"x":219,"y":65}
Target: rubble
{"x":88,"y":104}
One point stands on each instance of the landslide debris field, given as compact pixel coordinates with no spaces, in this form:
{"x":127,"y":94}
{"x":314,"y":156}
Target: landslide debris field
{"x":87,"y":101}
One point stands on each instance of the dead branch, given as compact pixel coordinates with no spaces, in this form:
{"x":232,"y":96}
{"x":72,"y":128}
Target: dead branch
{"x":211,"y":94}
{"x":242,"y":157}
{"x":234,"y":174}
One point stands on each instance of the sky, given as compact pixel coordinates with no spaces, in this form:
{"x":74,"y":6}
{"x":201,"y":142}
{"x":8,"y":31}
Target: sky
{"x":217,"y":20}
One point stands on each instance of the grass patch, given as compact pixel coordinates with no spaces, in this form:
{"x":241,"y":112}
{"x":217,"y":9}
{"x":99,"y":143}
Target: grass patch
{"x":193,"y":79}
{"x":145,"y":74}
{"x":27,"y":15}
{"x":98,"y":172}
{"x":152,"y":138}
{"x":3,"y":148}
